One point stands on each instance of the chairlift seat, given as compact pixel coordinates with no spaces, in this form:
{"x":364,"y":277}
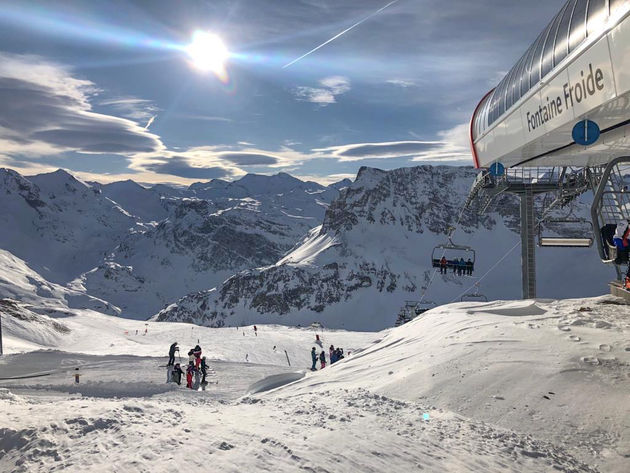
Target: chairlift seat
{"x":566,"y":242}
{"x":561,"y":242}
{"x":473,"y":298}
{"x":447,"y":250}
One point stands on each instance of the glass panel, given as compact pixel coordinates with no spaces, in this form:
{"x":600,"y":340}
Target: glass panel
{"x":525,"y":73}
{"x":534,"y":68}
{"x":516,"y":81}
{"x":560,"y":49}
{"x":547,"y":59}
{"x":501,"y":98}
{"x":508,"y":89}
{"x":597,"y":15}
{"x":578,"y":25}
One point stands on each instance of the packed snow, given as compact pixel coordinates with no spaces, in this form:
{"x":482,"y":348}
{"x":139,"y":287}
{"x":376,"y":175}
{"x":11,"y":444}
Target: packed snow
{"x":527,"y":386}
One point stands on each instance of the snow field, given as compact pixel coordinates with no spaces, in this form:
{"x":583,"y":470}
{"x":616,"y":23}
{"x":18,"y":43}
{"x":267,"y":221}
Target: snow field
{"x":525,"y":386}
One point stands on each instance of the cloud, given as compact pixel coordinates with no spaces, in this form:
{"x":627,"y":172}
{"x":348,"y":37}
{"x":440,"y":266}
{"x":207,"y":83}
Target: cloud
{"x":392,"y":149}
{"x":331,"y":87}
{"x":452,"y":146}
{"x":404,"y":83}
{"x":181,"y":166}
{"x":208,"y":118}
{"x":209,"y":162}
{"x":131,"y":107}
{"x":250,"y":159}
{"x":45,"y":110}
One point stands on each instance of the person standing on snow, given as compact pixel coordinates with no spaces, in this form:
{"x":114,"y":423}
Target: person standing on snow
{"x":322,"y":360}
{"x":189,"y":376}
{"x":314,"y":358}
{"x":255,"y":330}
{"x":176,"y":374}
{"x":171,"y":354}
{"x":191,"y":357}
{"x":204,"y":369}
{"x":197,"y":355}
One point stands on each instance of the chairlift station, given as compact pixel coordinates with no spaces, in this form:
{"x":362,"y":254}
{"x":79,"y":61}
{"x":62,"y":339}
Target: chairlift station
{"x":558,"y":124}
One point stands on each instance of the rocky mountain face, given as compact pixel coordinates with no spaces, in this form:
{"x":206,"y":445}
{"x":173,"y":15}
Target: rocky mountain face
{"x":140,"y":248}
{"x":374,"y":250}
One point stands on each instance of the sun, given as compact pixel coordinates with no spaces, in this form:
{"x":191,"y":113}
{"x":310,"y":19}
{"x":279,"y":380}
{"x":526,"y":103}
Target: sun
{"x":208,"y":52}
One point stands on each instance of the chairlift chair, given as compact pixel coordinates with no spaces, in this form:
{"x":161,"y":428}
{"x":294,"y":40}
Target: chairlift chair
{"x":585,"y":240}
{"x":474,"y":296}
{"x":423,"y":306}
{"x":452,"y":253}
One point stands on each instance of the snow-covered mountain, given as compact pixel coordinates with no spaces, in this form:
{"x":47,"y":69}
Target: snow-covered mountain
{"x":216,"y":230}
{"x":374,"y":250}
{"x":59,"y":225}
{"x":146,"y":204}
{"x":140,"y":248}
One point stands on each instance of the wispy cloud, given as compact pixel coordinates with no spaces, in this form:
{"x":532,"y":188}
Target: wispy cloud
{"x":452,"y":146}
{"x":330,"y":88}
{"x":134,"y":108}
{"x":55,"y":114}
{"x":208,"y":118}
{"x":391,"y":149}
{"x":404,"y":83}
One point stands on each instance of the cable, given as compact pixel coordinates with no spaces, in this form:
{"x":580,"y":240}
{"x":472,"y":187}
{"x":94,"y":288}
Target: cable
{"x":487,"y":272}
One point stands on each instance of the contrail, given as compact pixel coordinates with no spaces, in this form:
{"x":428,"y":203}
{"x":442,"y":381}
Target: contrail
{"x":150,"y":122}
{"x":339,"y":34}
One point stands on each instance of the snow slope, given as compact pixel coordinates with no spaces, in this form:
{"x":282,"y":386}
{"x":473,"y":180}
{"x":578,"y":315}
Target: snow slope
{"x":525,"y":386}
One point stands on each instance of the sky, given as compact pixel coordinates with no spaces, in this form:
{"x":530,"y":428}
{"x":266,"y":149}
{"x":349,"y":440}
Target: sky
{"x":110,"y":90}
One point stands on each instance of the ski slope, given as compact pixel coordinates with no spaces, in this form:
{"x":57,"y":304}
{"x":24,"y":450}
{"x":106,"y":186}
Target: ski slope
{"x":526,"y":386}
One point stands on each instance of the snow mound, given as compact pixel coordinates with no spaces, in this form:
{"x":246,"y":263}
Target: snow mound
{"x":274,"y":381}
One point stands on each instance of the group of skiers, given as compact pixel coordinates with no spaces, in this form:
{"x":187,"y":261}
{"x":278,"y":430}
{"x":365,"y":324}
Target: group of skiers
{"x":335,"y":354}
{"x":459,"y":266}
{"x":196,"y":371}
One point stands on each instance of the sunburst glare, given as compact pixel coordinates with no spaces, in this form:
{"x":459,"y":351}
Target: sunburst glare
{"x":208,"y":53}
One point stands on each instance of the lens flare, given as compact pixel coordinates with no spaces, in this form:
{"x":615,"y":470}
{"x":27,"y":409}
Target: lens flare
{"x":208,"y":53}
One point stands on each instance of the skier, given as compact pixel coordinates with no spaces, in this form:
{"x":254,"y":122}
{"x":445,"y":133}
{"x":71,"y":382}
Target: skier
{"x":461,"y":267}
{"x":191,"y":357}
{"x":255,"y":330}
{"x":331,"y":352}
{"x":443,"y":264}
{"x":189,"y":376}
{"x":621,"y":236}
{"x":177,"y":374}
{"x":197,"y":355}
{"x":469,"y":267}
{"x":318,"y":341}
{"x":339,"y":354}
{"x":314,"y":358}
{"x":322,"y":359}
{"x":171,"y":354}
{"x":204,"y":369}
